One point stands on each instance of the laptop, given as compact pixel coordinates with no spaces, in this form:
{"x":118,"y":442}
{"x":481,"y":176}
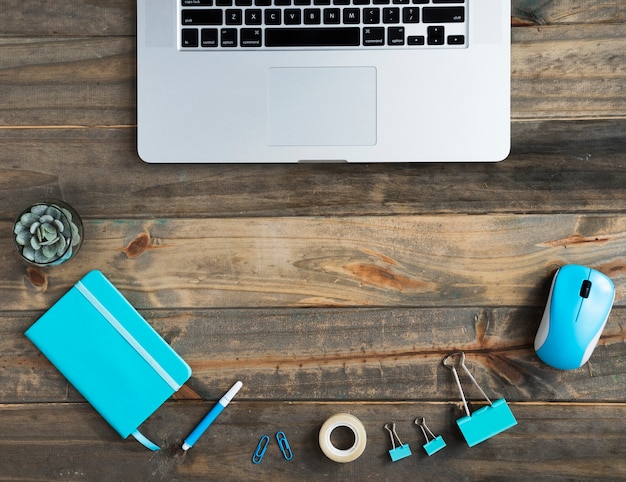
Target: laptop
{"x":269,"y":81}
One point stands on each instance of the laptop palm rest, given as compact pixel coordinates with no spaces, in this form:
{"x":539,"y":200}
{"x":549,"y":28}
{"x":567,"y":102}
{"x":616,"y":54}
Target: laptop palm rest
{"x":322,"y":106}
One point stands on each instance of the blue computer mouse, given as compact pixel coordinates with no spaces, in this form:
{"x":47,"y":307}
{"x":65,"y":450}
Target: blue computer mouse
{"x":578,"y":306}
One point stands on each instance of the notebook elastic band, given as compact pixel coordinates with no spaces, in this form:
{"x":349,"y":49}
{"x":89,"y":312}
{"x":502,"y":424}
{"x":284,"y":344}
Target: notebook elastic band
{"x":127,"y":336}
{"x":143,"y":440}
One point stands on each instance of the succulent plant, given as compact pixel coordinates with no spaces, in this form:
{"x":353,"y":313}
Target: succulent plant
{"x":46,"y":233}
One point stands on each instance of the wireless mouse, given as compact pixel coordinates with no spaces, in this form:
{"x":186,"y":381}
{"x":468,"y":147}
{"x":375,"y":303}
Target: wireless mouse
{"x":578,"y":307}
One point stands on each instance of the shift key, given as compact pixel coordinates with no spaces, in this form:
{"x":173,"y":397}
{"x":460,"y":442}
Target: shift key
{"x":443,"y":14}
{"x":202,"y":17}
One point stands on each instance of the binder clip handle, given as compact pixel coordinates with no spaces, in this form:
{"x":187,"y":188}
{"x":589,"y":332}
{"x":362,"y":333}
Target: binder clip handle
{"x":453,"y":360}
{"x":485,"y":422}
{"x":398,"y":449}
{"x":434,"y":443}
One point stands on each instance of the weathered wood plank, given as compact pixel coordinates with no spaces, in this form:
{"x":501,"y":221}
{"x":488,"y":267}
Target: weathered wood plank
{"x":71,"y":442}
{"x":554,"y":167}
{"x":345,"y":354}
{"x":68,"y":17}
{"x":118,"y":17}
{"x":537,"y":12}
{"x":569,"y":71}
{"x":344,"y":261}
{"x":556,"y":73}
{"x":68,"y":81}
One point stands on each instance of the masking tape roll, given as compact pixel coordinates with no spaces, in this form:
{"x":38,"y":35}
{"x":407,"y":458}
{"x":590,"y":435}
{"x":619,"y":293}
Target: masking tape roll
{"x":357,"y":428}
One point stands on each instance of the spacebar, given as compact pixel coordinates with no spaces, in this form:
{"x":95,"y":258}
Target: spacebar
{"x":312,"y":37}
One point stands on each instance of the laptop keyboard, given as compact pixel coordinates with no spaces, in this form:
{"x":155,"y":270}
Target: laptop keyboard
{"x":327,"y":24}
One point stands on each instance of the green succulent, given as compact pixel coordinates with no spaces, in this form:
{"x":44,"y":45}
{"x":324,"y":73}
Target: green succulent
{"x":46,"y":234}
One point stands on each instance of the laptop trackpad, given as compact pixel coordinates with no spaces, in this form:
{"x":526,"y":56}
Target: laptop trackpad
{"x":322,"y":106}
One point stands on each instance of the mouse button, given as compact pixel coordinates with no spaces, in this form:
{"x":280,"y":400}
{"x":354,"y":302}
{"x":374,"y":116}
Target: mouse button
{"x":595,"y":309}
{"x":602,"y":283}
{"x":565,"y":302}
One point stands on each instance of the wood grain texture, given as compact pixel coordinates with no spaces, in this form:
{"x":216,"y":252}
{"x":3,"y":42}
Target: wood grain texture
{"x":339,"y":261}
{"x":346,"y":354}
{"x":324,"y":288}
{"x":555,"y":166}
{"x":579,"y":441}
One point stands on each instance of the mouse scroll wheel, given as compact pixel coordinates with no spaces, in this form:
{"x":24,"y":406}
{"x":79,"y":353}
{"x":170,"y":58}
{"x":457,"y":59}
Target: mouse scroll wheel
{"x":585,"y":289}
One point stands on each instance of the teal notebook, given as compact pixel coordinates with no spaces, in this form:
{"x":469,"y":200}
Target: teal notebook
{"x":110,"y":354}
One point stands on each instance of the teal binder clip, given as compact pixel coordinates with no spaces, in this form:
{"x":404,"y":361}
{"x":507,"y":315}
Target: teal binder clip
{"x":400,"y":451}
{"x":485,"y":422}
{"x":434,"y":443}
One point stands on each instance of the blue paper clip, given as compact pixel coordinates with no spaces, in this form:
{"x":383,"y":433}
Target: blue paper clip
{"x":283,"y":444}
{"x":402,"y":450}
{"x":435,"y":443}
{"x":485,"y":422}
{"x":259,"y":452}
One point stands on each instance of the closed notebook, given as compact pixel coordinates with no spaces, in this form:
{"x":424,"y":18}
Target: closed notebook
{"x":110,"y":354}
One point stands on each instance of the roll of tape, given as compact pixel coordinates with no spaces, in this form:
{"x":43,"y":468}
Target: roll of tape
{"x":357,"y":428}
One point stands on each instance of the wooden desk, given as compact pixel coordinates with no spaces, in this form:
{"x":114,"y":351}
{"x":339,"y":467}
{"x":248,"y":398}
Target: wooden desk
{"x":324,"y":288}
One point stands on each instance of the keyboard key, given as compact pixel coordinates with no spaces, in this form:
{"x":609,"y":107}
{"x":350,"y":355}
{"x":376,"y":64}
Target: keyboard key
{"x":391,"y":15}
{"x":312,"y":37}
{"x":209,"y":37}
{"x":197,"y":3}
{"x":234,"y":16}
{"x":332,"y":16}
{"x":435,"y":35}
{"x":374,"y":36}
{"x":228,"y":37}
{"x":243,"y":3}
{"x":202,"y":17}
{"x":262,"y":3}
{"x":448,"y":1}
{"x":251,"y":37}
{"x":293,"y":16}
{"x":273,"y":16}
{"x":410,"y":14}
{"x":371,"y":16}
{"x":415,"y":40}
{"x":312,"y":16}
{"x":395,"y":36}
{"x":443,"y":14}
{"x":223,"y":3}
{"x":282,"y":3}
{"x":351,"y":15}
{"x":456,"y":39}
{"x":189,"y":37}
{"x":253,"y":16}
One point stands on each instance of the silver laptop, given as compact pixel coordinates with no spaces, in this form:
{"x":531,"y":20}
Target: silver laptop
{"x":323,"y":80}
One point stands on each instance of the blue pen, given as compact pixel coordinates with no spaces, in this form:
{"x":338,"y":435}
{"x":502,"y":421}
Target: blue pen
{"x":211,"y":416}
